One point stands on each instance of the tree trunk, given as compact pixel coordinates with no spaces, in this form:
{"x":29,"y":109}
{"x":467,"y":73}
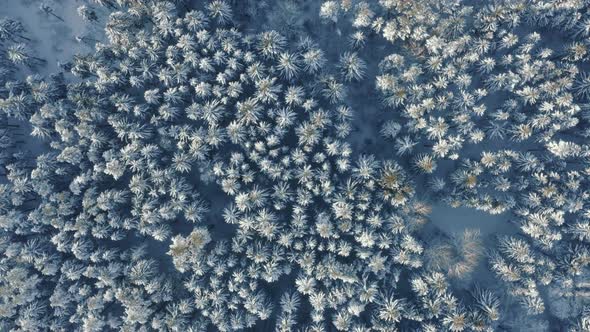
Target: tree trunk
{"x":91,"y":39}
{"x":39,"y":59}
{"x":59,"y":18}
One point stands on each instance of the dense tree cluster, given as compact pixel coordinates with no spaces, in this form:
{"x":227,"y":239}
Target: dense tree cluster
{"x":500,"y":81}
{"x":113,"y":225}
{"x":267,"y":123}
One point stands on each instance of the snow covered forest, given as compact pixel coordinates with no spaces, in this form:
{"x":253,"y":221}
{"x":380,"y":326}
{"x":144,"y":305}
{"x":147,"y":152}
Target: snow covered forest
{"x":295,"y":165}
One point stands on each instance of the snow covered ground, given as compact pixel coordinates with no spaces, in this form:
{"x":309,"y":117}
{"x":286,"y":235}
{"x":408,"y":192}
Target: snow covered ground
{"x":451,"y":220}
{"x":52,"y":39}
